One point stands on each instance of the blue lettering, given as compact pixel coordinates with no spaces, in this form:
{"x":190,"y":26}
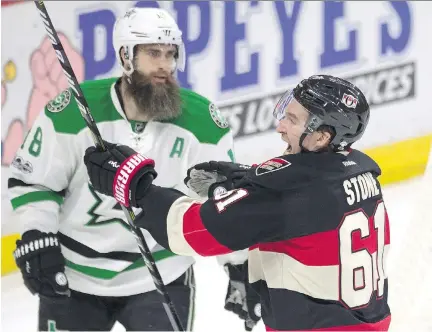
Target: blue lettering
{"x":88,"y":23}
{"x":235,"y":32}
{"x":330,"y":56}
{"x":147,"y":4}
{"x":288,"y":24}
{"x":200,"y":43}
{"x":398,"y":44}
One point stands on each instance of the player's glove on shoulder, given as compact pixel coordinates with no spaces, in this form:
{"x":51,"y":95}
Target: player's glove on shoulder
{"x":241,"y":299}
{"x":38,"y":256}
{"x":120,"y":172}
{"x":214,"y":177}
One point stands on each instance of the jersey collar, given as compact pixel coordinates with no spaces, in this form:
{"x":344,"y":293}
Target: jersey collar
{"x":116,"y":100}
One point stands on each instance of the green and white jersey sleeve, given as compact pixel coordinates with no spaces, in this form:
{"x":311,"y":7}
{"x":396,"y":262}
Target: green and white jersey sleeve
{"x":40,"y":176}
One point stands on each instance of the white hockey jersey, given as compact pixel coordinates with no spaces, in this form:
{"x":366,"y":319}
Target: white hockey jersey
{"x":49,"y":186}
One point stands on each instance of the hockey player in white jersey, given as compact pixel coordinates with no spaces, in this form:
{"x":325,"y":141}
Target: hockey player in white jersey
{"x":76,"y":251}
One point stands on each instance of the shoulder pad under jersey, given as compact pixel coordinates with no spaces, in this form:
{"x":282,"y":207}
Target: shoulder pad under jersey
{"x":298,"y":170}
{"x":201,"y":117}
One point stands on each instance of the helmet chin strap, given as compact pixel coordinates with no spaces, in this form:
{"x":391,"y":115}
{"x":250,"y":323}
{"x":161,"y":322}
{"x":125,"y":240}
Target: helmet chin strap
{"x":128,"y":54}
{"x":302,"y":148}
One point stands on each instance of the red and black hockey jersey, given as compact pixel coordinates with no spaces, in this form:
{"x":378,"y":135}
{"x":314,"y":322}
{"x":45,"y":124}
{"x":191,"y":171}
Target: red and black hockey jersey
{"x":317,"y":231}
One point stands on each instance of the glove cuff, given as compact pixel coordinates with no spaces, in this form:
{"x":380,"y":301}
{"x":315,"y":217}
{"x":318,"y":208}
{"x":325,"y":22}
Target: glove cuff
{"x":34,"y":242}
{"x":236,"y":272}
{"x":124,"y":175}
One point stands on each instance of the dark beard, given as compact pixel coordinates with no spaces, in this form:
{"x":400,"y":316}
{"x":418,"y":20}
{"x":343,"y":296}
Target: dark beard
{"x":158,"y":102}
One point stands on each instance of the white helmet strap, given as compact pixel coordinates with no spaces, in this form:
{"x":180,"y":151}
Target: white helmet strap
{"x":128,"y":67}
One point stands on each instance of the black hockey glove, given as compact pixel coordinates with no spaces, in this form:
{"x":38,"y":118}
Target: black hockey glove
{"x":39,"y":257}
{"x":119,"y":172}
{"x":214,"y":177}
{"x":241,"y":299}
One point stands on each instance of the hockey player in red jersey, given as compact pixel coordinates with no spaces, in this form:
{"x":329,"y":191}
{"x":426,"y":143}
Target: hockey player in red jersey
{"x":314,"y":218}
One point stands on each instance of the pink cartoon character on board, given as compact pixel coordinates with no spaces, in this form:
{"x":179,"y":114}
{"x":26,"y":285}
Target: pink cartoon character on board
{"x":48,"y":81}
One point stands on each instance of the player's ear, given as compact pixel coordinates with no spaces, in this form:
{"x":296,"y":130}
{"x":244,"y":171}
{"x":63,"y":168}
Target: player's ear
{"x":123,"y":58}
{"x":324,"y":138}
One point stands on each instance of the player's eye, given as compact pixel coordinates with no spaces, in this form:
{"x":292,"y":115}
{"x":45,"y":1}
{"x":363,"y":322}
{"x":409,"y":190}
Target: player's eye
{"x":290,"y":119}
{"x":171,"y":55}
{"x":153,"y":53}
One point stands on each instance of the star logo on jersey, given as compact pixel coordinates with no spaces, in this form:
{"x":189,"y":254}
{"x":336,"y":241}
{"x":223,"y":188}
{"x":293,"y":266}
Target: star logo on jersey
{"x":139,"y":127}
{"x":217,"y":116}
{"x":105,"y":211}
{"x":60,"y":102}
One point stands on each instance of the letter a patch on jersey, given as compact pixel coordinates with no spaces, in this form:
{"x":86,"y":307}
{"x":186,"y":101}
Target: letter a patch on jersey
{"x":271,"y":165}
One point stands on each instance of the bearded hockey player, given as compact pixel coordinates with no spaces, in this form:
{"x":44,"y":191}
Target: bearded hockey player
{"x":314,"y":218}
{"x":76,"y":251}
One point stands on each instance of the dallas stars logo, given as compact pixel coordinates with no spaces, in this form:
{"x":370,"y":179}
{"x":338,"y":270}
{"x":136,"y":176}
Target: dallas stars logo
{"x":100,"y":212}
{"x":60,"y":102}
{"x":217,"y":116}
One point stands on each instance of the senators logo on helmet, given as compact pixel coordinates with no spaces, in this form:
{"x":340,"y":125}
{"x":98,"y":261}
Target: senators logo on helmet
{"x":349,"y":101}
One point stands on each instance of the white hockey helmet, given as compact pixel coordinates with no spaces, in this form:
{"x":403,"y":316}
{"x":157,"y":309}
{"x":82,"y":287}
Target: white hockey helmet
{"x":146,"y":26}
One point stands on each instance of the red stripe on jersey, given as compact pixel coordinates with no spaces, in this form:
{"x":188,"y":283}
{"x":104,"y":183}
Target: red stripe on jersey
{"x":322,"y":249}
{"x":198,"y":237}
{"x":387,"y":229}
{"x":319,"y":249}
{"x":5,"y":3}
{"x":382,"y":325}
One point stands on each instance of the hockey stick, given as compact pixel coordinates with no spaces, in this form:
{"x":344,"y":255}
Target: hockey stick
{"x":85,"y":112}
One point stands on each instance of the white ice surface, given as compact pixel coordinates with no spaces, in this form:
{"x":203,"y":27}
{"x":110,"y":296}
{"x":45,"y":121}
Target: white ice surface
{"x":410,"y":276}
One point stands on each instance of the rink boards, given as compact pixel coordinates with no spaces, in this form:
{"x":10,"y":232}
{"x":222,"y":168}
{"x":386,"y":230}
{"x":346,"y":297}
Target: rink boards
{"x":250,"y":52}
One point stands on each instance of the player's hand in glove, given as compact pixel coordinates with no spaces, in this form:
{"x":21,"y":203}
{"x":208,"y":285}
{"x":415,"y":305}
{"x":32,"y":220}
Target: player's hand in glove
{"x":241,"y":299}
{"x":120,"y":172}
{"x":214,"y":177}
{"x":38,"y":256}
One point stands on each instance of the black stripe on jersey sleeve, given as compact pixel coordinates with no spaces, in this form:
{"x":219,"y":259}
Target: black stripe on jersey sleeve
{"x":85,"y":251}
{"x":12,"y":183}
{"x":253,"y":217}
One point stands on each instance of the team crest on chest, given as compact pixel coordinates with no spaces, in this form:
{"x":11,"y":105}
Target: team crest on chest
{"x":60,"y":102}
{"x":217,"y":116}
{"x":271,"y":165}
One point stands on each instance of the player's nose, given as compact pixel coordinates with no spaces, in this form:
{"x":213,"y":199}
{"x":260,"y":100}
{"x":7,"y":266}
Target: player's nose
{"x":280,"y":128}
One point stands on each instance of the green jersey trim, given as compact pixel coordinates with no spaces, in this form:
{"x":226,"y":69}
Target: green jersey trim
{"x":196,"y":118}
{"x":36,"y":196}
{"x":98,"y":95}
{"x":108,"y":274}
{"x":199,"y":116}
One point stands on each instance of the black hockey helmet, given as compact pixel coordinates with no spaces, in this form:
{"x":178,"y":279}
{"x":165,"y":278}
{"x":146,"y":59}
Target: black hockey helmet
{"x":335,"y":103}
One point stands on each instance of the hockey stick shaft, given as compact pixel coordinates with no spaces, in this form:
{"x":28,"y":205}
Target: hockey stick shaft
{"x":91,"y":124}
